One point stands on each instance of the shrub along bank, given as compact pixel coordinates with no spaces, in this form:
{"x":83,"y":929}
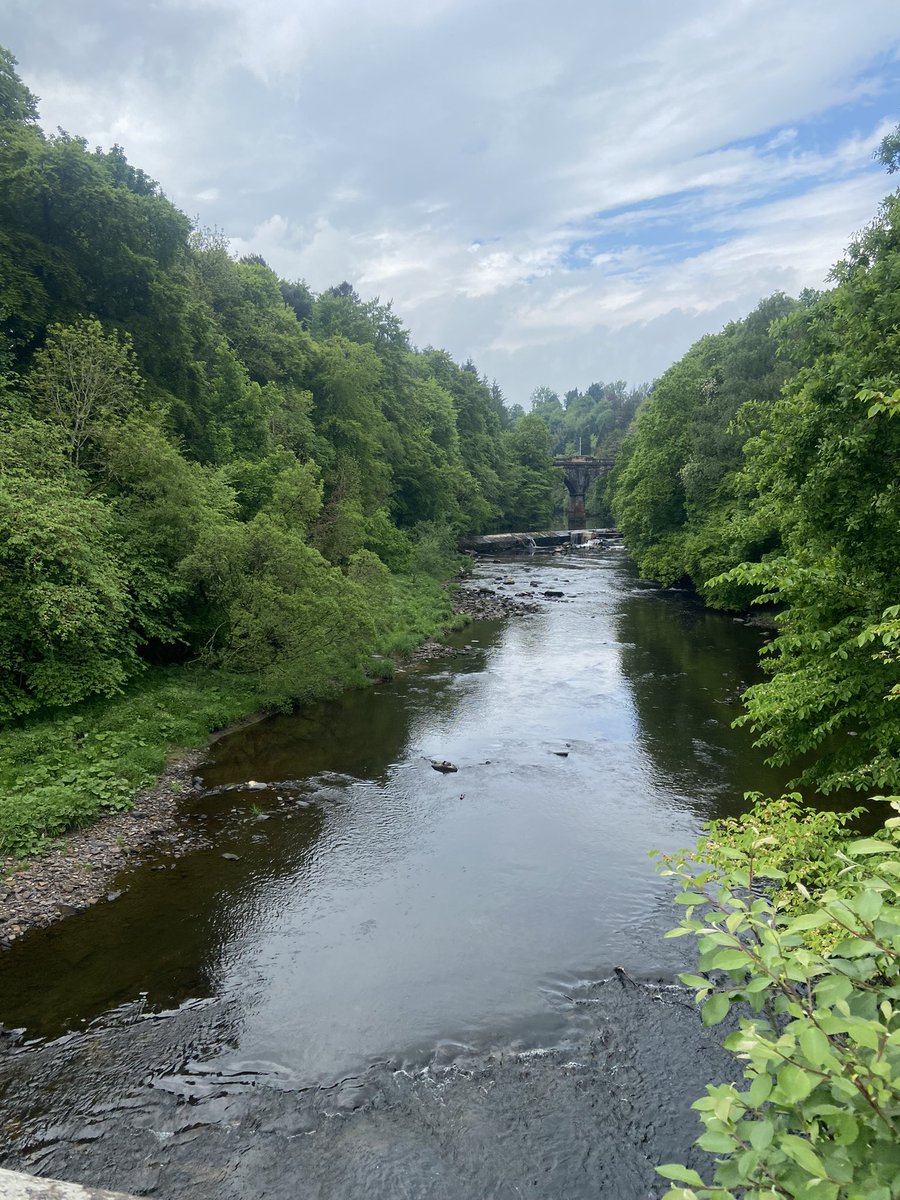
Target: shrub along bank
{"x":763,"y":468}
{"x":62,"y":770}
{"x":798,"y":929}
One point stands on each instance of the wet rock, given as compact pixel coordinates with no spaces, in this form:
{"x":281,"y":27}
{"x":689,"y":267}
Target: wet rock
{"x":232,"y":857}
{"x":446,"y":768}
{"x":553,"y":595}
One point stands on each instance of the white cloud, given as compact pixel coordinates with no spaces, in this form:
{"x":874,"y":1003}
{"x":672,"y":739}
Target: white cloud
{"x":463,"y":158}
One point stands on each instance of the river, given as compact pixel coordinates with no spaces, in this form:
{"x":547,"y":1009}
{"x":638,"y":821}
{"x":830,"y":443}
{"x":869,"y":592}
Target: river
{"x":402,"y":983}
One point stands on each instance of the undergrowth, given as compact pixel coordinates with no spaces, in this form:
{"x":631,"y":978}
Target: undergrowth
{"x":63,"y":769}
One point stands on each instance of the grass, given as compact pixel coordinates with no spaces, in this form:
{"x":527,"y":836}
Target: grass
{"x":63,"y":769}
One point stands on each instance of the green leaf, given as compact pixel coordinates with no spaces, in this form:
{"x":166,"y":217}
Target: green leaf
{"x":803,"y":1154}
{"x":809,"y":921}
{"x":680,"y":1174}
{"x":832,"y":989}
{"x":716,"y":1009}
{"x":795,"y":1083}
{"x":694,"y":981}
{"x":760,"y":1090}
{"x":815,"y":1046}
{"x":761,"y":1134}
{"x":869,"y":846}
{"x":716,"y":1143}
{"x":729,"y":960}
{"x":868,"y":905}
{"x":759,"y":984}
{"x":846,"y":1129}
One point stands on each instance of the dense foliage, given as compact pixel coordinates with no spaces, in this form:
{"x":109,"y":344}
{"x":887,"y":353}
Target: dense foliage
{"x":813,"y":969}
{"x":199,"y":460}
{"x":763,"y":468}
{"x":675,"y":488}
{"x":589,"y":422}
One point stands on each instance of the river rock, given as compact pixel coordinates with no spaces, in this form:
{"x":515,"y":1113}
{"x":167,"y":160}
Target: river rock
{"x":444,"y":767}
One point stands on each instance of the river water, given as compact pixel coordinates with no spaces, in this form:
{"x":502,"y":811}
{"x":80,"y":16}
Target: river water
{"x":404,"y":983}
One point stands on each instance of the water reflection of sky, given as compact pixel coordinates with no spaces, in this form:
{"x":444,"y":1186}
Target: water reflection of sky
{"x":435,"y":905}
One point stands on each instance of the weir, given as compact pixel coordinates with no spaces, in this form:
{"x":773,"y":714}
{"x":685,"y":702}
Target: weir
{"x":546,"y":539}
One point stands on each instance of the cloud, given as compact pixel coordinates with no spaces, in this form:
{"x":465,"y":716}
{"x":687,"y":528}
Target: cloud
{"x":562,"y":191}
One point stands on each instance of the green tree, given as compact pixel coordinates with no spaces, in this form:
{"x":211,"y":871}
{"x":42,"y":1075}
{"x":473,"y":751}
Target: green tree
{"x":65,"y":595}
{"x":83,"y":379}
{"x":675,"y":491}
{"x":17,"y":103}
{"x":536,"y":483}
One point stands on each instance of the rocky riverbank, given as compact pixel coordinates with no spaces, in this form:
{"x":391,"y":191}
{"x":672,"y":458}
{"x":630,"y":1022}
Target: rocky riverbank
{"x":81,"y":868}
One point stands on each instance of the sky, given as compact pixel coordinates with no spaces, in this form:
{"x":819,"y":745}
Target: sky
{"x":563,"y":192}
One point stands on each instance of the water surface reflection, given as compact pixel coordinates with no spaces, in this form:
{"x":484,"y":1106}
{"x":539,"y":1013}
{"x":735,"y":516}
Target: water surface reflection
{"x":378,"y":911}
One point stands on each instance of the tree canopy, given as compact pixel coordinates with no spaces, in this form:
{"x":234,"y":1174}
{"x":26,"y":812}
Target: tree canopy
{"x":194,"y":453}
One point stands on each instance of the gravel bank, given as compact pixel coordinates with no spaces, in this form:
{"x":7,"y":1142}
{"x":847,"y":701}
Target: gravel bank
{"x":81,"y":868}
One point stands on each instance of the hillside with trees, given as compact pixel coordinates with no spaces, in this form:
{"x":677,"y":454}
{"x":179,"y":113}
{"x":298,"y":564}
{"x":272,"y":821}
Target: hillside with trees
{"x":763,"y":469}
{"x":206,"y":467}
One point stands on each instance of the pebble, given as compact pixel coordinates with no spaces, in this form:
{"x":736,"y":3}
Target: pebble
{"x":82,"y":868}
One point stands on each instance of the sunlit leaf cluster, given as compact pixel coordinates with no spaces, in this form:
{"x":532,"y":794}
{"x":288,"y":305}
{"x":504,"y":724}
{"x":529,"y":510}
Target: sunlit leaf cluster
{"x":818,"y":1030}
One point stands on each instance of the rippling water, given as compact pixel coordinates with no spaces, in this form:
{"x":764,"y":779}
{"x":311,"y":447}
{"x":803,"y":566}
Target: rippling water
{"x":404,"y":985}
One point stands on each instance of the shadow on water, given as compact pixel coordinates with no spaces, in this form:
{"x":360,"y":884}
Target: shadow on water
{"x":414,"y":969}
{"x":687,"y":668}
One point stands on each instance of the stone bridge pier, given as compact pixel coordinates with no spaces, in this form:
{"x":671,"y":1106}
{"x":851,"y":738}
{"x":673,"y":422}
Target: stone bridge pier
{"x":579,"y":473}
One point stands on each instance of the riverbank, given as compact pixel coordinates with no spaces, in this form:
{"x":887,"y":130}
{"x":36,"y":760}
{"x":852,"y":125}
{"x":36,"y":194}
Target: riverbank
{"x":77,"y":868}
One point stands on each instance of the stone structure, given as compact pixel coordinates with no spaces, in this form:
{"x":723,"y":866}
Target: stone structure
{"x":538,"y":539}
{"x":580,"y":472}
{"x":15,"y":1186}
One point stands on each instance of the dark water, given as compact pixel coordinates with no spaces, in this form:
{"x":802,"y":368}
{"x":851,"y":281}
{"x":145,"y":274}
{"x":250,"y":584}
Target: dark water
{"x":404,"y":986}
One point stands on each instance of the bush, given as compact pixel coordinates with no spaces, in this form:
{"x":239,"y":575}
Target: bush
{"x":821,"y":1044}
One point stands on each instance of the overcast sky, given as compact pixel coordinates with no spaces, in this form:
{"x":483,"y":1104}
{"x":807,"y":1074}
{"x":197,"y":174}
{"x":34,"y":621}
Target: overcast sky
{"x":562,"y":190}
